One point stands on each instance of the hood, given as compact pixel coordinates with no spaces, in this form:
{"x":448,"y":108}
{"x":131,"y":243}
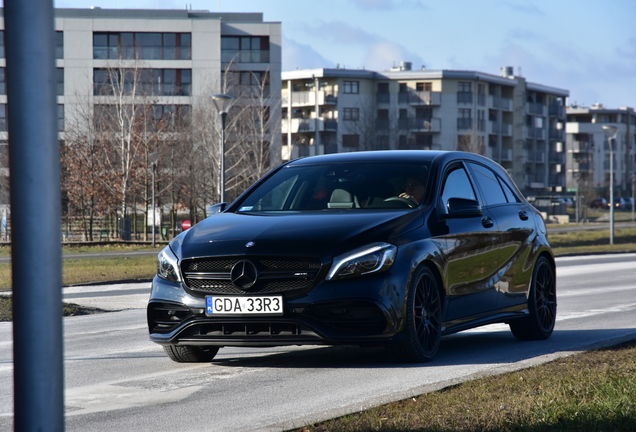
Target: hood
{"x":313,"y":233}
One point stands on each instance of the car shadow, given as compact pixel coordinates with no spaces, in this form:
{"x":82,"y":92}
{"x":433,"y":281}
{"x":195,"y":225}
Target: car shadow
{"x":468,"y":348}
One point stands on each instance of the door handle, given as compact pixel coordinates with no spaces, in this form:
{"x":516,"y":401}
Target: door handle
{"x":523,"y":215}
{"x":487,"y":222}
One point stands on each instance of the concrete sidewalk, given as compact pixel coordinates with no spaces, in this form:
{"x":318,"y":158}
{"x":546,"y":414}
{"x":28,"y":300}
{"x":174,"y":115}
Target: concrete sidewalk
{"x":109,"y":297}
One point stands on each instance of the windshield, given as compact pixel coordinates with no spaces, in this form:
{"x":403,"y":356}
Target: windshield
{"x":340,"y":186}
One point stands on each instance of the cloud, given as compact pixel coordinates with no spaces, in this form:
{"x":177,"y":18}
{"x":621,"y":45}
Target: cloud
{"x":372,"y":51}
{"x":339,"y":32}
{"x":524,"y":8}
{"x":386,"y":5}
{"x":374,"y":4}
{"x":382,"y":55}
{"x":301,"y":56}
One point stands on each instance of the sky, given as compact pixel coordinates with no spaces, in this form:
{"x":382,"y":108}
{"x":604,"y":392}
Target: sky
{"x":587,"y":47}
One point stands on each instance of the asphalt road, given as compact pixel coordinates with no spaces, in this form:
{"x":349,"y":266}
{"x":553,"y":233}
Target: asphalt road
{"x":117,"y":380}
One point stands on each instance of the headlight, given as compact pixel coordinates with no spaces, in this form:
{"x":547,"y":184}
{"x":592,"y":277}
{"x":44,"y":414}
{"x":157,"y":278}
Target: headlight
{"x":167,"y":267}
{"x":373,"y":258}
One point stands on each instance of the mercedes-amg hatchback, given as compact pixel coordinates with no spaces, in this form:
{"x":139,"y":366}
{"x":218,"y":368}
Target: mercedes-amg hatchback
{"x":392,"y":248}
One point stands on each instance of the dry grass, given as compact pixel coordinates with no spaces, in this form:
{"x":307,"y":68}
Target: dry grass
{"x":592,"y":391}
{"x":88,"y":270}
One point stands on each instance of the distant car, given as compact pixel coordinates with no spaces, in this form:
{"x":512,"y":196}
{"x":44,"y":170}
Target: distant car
{"x":620,"y":204}
{"x":392,"y":248}
{"x":599,"y":203}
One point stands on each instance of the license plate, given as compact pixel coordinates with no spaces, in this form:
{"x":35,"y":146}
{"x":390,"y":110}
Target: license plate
{"x":264,"y":305}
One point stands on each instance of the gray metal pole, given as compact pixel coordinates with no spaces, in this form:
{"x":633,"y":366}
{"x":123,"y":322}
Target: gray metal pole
{"x":35,"y":216}
{"x":154,"y":209}
{"x":223,"y":119}
{"x":611,"y":190}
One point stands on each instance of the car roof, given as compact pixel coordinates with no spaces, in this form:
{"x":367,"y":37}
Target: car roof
{"x":390,"y":156}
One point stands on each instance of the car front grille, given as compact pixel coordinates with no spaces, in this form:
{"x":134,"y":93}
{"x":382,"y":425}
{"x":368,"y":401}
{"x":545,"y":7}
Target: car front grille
{"x":213,"y":275}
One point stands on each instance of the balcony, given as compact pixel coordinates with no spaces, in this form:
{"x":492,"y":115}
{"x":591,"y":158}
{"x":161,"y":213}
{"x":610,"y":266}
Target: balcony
{"x":555,"y":180}
{"x":420,"y":124}
{"x":308,"y":98}
{"x":581,"y":147}
{"x":464,"y":97}
{"x":504,"y":104}
{"x":299,"y":125}
{"x":420,"y":98}
{"x":331,"y":125}
{"x":464,"y":123}
{"x":556,"y":134}
{"x":557,"y":110}
{"x":382,"y":124}
{"x":536,"y":108}
{"x":581,"y":167}
{"x":535,"y":157}
{"x":503,"y":155}
{"x":537,"y":133}
{"x":556,"y":158}
{"x":383,"y":98}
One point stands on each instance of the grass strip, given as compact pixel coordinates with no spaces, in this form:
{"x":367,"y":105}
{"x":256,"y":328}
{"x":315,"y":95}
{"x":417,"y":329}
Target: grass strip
{"x":89,"y":270}
{"x":591,"y":391}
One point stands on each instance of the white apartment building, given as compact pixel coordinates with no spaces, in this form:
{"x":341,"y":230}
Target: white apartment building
{"x":184,"y":53}
{"x":517,"y":123}
{"x":588,"y":150}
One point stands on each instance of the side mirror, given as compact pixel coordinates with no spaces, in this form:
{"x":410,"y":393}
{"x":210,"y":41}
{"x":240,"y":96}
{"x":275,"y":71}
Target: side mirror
{"x":459,"y":208}
{"x":215,"y":209}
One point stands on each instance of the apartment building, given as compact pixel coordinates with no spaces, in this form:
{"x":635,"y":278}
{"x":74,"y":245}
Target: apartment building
{"x":517,"y":123}
{"x":588,"y":150}
{"x":183,"y":52}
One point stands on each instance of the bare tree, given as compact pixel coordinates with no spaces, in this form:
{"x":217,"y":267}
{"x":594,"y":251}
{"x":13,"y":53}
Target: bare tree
{"x":118,"y":123}
{"x":253,"y":132}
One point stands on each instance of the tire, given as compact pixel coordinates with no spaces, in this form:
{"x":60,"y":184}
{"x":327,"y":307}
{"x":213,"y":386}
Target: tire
{"x":423,"y":325}
{"x":190,"y":354}
{"x":542,"y":305}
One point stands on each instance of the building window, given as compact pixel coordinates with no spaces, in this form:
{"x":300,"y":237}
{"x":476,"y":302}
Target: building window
{"x":464,"y":143}
{"x":424,"y":113}
{"x":3,"y":81}
{"x":59,"y":75}
{"x":1,"y":43}
{"x":352,"y":114}
{"x":3,"y":117}
{"x":245,"y":49}
{"x":60,"y":117}
{"x":464,"y":119}
{"x":142,"y":46}
{"x":150,"y":82}
{"x":170,"y":117}
{"x":424,"y":142}
{"x":351,"y":141}
{"x":481,"y":120}
{"x":464,"y":92}
{"x":351,"y":87}
{"x":423,"y":86}
{"x":59,"y":45}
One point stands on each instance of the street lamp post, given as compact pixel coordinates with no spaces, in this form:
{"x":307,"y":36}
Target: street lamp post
{"x":610,"y":133}
{"x":153,"y":158}
{"x":222,"y":104}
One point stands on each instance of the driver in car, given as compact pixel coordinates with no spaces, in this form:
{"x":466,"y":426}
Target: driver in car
{"x":413,"y":191}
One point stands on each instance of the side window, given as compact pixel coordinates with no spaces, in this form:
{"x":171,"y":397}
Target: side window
{"x":511,"y":196}
{"x":490,"y":187}
{"x":457,"y":185}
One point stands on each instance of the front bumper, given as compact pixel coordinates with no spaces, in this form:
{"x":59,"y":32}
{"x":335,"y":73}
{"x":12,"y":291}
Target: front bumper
{"x":365,"y":310}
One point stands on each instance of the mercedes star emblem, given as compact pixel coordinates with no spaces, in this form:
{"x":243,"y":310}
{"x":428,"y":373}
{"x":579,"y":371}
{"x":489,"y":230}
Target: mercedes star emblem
{"x":244,"y":274}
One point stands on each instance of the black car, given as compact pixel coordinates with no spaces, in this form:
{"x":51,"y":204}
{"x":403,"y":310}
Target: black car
{"x":392,"y":248}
